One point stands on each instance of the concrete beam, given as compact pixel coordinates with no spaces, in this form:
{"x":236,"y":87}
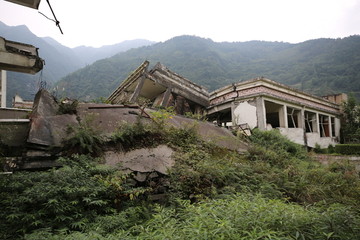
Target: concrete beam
{"x":137,"y":90}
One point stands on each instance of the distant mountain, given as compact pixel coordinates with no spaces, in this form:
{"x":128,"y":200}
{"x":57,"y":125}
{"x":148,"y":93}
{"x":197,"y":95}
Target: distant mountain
{"x":321,"y":66}
{"x":59,"y":60}
{"x":88,"y":55}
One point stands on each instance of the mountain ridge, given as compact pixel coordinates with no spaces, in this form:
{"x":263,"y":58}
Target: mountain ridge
{"x":320,"y":66}
{"x":59,"y":60}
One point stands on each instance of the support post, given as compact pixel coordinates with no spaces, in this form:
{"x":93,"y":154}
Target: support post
{"x":3,"y":88}
{"x":137,"y":90}
{"x":166,"y":97}
{"x":261,"y":113}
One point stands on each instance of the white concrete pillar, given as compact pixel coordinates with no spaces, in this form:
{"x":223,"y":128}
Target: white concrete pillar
{"x":337,"y":127}
{"x":317,"y":127}
{"x":286,"y":123}
{"x":3,"y":88}
{"x":261,"y":113}
{"x":302,"y":118}
{"x":330,"y":127}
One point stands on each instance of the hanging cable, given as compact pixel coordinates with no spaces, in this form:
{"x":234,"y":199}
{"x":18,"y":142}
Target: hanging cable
{"x":57,"y":23}
{"x":41,"y":82}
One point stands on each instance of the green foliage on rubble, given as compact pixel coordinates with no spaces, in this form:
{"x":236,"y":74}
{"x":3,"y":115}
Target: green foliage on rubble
{"x":84,"y":139}
{"x":274,"y":191}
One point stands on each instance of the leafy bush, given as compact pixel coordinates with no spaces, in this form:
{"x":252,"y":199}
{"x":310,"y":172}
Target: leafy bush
{"x":348,"y":149}
{"x":84,"y":139}
{"x":64,"y":199}
{"x":275,"y":191}
{"x":128,"y":136}
{"x":240,"y":216}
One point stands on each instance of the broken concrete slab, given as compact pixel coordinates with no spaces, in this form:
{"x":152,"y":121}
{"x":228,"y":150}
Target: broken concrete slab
{"x":44,"y":104}
{"x":50,"y":130}
{"x":144,"y":160}
{"x":47,"y":127}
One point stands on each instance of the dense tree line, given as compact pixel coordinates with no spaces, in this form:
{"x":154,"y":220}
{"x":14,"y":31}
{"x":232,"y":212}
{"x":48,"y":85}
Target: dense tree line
{"x":321,"y":66}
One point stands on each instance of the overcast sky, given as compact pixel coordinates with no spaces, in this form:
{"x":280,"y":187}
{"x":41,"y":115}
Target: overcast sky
{"x":96,"y":23}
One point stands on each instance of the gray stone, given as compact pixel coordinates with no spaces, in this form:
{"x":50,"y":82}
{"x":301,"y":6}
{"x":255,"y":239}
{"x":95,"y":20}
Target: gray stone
{"x":140,"y":177}
{"x":153,"y":175}
{"x":44,"y":104}
{"x":51,"y":130}
{"x":144,"y":160}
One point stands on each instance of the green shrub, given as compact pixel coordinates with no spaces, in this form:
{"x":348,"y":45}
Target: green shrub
{"x":273,"y":140}
{"x":84,"y":139}
{"x":128,"y":136}
{"x":348,"y":149}
{"x":65,"y":199}
{"x":319,"y":150}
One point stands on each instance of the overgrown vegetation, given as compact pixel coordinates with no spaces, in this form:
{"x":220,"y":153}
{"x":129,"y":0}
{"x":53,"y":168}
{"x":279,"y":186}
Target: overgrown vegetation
{"x":275,"y":191}
{"x":84,"y":139}
{"x":351,"y":121}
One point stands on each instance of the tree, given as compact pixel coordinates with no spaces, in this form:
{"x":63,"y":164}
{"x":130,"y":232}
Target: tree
{"x":351,"y":120}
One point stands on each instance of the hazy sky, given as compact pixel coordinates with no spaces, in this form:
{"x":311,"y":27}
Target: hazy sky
{"x":97,"y":23}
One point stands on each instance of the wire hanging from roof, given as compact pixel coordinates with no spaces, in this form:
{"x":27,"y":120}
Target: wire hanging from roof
{"x":57,"y":23}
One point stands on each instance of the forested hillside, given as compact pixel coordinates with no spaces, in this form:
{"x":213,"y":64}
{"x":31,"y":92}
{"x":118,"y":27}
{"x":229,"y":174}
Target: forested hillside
{"x":321,"y":66}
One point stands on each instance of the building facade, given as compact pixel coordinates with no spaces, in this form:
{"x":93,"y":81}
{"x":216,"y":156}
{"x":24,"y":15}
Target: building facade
{"x":303,"y":118}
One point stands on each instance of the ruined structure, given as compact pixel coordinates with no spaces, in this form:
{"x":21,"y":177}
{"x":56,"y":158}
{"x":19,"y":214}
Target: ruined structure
{"x":163,"y":88}
{"x":17,"y":57}
{"x":258,"y":103}
{"x":19,"y":102}
{"x":303,"y":118}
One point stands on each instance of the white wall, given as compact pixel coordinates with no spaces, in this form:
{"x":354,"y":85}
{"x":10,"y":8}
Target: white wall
{"x":245,"y":112}
{"x":323,"y":142}
{"x":295,"y":135}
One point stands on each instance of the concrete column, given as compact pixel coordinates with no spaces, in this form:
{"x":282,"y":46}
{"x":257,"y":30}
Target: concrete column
{"x":3,"y":88}
{"x":233,"y":117}
{"x":137,"y":90}
{"x":301,"y":119}
{"x":337,"y":127}
{"x":166,"y":97}
{"x":330,"y":127}
{"x":261,"y":113}
{"x":317,"y":128}
{"x":283,"y":120}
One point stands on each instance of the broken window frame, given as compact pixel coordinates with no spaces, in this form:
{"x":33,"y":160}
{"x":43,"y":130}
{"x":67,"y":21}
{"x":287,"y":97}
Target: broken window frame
{"x":309,"y":122}
{"x":333,"y":131}
{"x":323,"y":125}
{"x":293,"y":115}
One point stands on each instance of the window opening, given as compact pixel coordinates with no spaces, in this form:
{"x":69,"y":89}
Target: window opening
{"x":324,"y":126}
{"x":333,"y":127}
{"x":310,"y":122}
{"x":293,"y":117}
{"x":272,"y":114}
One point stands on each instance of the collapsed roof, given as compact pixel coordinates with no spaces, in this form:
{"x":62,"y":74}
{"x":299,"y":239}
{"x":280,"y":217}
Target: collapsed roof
{"x":163,"y":88}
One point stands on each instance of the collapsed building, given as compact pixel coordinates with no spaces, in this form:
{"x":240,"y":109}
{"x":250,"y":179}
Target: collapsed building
{"x":162,"y":88}
{"x":258,"y":103}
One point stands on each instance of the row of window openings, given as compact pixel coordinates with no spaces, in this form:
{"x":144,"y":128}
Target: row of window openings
{"x":294,"y":121}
